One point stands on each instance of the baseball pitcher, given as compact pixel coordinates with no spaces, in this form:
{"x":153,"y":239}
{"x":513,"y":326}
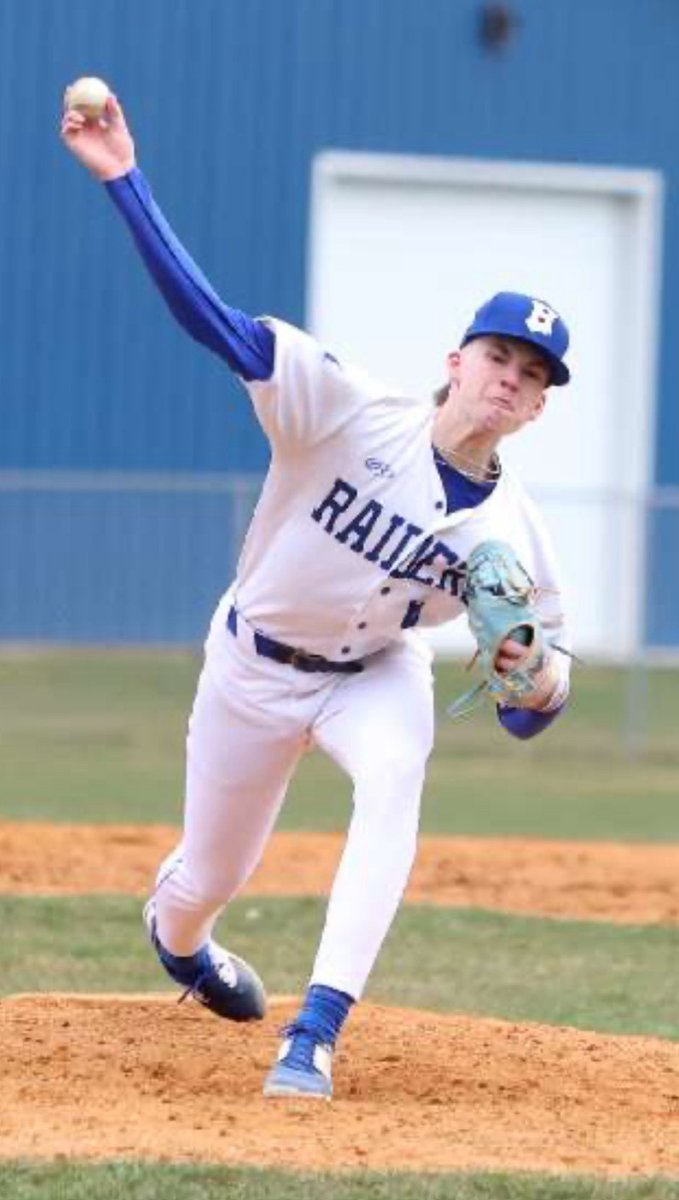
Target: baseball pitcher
{"x":380,"y":514}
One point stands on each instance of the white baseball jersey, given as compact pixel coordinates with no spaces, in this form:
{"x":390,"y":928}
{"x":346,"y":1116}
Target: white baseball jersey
{"x":350,"y":544}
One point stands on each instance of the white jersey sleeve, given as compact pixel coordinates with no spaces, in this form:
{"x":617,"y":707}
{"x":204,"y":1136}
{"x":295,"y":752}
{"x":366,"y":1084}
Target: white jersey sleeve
{"x":311,"y":395}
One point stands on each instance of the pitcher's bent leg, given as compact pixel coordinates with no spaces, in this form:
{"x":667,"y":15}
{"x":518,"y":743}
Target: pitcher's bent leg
{"x":237,"y":774}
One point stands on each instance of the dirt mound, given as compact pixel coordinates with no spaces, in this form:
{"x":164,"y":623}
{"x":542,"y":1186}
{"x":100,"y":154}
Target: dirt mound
{"x":635,"y":884}
{"x":109,"y":1077}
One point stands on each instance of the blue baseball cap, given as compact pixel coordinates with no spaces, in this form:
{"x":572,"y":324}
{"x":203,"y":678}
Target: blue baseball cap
{"x":511,"y":314}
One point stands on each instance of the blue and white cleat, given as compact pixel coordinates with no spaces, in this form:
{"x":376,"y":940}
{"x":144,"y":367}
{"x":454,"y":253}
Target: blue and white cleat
{"x":225,"y":984}
{"x":303,"y":1069}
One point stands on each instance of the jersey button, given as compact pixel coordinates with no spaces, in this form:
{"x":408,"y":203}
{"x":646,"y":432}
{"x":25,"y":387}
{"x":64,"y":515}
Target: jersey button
{"x":385,"y":591}
{"x":362,"y":624}
{"x":346,"y":649}
{"x":439,"y":504}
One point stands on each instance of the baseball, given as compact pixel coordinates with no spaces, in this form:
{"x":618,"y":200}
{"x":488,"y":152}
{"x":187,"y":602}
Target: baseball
{"x":88,"y":96}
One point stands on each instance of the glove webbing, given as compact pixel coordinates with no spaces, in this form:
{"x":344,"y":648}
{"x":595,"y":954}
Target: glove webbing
{"x":500,"y":598}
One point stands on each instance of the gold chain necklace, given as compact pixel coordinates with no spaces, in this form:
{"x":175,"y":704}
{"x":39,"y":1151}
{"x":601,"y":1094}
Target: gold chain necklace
{"x":470,"y":469}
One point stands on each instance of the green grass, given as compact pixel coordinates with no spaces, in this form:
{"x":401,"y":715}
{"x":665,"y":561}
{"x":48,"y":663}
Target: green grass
{"x":94,"y":736}
{"x":99,"y":737}
{"x":589,"y":975}
{"x":127,"y":1181}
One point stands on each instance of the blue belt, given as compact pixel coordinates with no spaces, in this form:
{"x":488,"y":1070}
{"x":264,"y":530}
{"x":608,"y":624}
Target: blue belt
{"x":279,"y":652}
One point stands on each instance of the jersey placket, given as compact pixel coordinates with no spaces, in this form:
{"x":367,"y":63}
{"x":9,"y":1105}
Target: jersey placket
{"x":396,"y":585}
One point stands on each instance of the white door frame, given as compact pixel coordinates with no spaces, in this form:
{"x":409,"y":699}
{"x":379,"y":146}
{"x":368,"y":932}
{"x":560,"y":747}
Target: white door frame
{"x":643,"y":188}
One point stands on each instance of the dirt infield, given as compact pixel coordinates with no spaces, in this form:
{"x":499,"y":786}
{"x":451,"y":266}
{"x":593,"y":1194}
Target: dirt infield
{"x":130,"y":1077}
{"x":631,"y":884}
{"x":106,"y":1077}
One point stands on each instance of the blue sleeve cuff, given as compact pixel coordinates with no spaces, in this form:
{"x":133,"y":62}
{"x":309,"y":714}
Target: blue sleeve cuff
{"x":525,"y":723}
{"x":247,"y":345}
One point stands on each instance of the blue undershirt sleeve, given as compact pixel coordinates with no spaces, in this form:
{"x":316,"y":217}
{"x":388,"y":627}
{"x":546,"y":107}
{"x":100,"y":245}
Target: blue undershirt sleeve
{"x":247,"y":345}
{"x":525,"y":723}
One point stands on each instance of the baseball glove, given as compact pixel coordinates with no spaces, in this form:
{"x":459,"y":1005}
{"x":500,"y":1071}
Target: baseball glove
{"x":500,"y":598}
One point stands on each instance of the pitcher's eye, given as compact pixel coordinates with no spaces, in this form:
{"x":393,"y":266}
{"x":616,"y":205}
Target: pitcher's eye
{"x":539,"y":374}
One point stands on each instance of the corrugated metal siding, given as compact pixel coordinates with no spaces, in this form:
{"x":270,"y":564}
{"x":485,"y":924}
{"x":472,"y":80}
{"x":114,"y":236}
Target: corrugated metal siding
{"x":106,"y":557}
{"x":230,"y":100}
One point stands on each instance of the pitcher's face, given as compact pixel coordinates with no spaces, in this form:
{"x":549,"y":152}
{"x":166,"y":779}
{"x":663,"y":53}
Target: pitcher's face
{"x":500,"y":383}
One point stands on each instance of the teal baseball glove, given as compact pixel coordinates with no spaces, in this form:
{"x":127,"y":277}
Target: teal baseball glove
{"x":500,"y":598}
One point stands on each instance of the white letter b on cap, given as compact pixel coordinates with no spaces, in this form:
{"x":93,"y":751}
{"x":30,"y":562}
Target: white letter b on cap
{"x":541,"y":319}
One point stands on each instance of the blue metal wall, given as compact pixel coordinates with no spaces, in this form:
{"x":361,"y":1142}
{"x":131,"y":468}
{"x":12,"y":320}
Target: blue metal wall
{"x":229,"y":101}
{"x":101,"y":558}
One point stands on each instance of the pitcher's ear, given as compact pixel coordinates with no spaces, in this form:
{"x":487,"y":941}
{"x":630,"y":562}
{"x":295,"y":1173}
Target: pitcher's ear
{"x":453,"y":361}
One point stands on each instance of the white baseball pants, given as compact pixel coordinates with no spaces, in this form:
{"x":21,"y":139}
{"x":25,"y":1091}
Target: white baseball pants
{"x":252,"y":721}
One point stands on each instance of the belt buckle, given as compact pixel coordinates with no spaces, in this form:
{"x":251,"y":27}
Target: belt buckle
{"x":306,"y":662}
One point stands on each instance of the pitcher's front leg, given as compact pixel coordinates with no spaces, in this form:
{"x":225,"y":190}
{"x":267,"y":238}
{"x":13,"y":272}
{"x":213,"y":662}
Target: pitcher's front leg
{"x":379,"y":728}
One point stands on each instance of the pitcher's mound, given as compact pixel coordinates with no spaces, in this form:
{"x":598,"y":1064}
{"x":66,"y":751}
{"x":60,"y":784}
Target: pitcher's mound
{"x":138,"y":1077}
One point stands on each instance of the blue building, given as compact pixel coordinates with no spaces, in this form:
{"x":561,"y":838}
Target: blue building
{"x":129,"y":459}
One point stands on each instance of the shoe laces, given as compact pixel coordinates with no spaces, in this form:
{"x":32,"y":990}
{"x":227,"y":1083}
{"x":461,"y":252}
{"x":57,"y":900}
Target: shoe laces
{"x":300,"y":1055}
{"x":217,"y":963}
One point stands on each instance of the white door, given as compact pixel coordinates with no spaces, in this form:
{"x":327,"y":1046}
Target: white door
{"x":403,"y":250}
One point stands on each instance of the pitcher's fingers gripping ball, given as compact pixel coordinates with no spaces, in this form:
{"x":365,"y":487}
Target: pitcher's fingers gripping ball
{"x":93,"y":127}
